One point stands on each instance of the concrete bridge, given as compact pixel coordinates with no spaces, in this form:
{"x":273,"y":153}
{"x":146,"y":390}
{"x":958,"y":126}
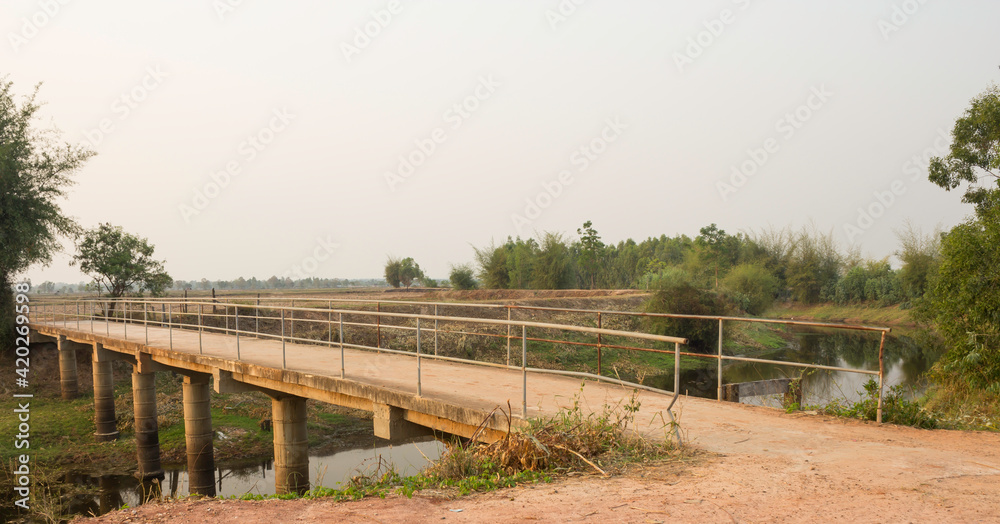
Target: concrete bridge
{"x":410,"y":391}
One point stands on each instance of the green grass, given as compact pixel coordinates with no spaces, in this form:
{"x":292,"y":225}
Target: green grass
{"x":62,"y":434}
{"x":851,"y":314}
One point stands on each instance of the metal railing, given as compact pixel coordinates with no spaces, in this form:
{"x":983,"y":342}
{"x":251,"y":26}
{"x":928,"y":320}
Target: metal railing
{"x":505,"y":312}
{"x":601,"y":315}
{"x":258,"y":321}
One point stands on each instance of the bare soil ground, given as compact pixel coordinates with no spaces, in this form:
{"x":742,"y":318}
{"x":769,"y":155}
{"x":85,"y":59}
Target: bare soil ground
{"x":755,"y":465}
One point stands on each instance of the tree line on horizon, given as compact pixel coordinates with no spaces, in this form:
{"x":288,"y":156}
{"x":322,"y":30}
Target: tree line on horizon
{"x":803,"y":265}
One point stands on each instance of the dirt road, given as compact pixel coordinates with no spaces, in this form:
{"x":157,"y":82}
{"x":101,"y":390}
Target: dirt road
{"x":759,"y":465}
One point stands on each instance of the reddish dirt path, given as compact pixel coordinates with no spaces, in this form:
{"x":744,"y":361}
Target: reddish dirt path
{"x":760,"y":465}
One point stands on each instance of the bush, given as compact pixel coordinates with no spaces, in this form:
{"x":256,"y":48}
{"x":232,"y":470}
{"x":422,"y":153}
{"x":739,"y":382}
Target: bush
{"x":462,"y":277}
{"x":751,"y":287}
{"x":674,"y":293}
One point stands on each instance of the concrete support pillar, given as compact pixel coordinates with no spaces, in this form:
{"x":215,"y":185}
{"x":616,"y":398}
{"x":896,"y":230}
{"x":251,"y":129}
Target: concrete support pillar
{"x":104,"y":396}
{"x":198,"y":434}
{"x":389,"y":424}
{"x":67,"y":368}
{"x":291,"y":450}
{"x":147,"y":438}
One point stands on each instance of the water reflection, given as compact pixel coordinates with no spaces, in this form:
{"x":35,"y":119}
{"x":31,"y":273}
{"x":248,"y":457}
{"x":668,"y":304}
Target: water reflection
{"x":99,"y":494}
{"x":906,"y":361}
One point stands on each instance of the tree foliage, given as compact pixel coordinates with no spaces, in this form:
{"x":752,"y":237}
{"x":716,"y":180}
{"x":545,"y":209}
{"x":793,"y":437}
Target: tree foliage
{"x":813,"y":266}
{"x":402,"y":272}
{"x":674,"y":292}
{"x":751,"y":287}
{"x":974,"y":157}
{"x":964,"y":301}
{"x":591,"y":254}
{"x":920,"y":255}
{"x":462,"y":277}
{"x":553,"y":264}
{"x":492,"y":261}
{"x":120,"y":262}
{"x":34,"y":172}
{"x":872,"y":281}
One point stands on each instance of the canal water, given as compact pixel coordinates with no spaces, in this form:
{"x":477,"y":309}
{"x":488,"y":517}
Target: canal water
{"x":96,"y":494}
{"x":906,"y":361}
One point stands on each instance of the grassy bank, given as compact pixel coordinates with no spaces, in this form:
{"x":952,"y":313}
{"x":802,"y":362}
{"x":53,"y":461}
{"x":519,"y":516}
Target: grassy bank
{"x":850,"y":314}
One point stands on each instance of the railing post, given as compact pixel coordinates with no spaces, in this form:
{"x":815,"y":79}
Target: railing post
{"x":881,"y":376}
{"x":256,"y":315}
{"x":292,"y":321}
{"x":236,"y":315}
{"x":125,"y":316}
{"x":435,"y":329}
{"x":508,"y":336}
{"x":283,"y":361}
{"x":170,"y":325}
{"x":719,"y":390}
{"x":341,"y":335}
{"x":329,"y":323}
{"x":524,"y":371}
{"x":677,"y":368}
{"x":145,"y":320}
{"x":378,"y":325}
{"x":600,"y":341}
{"x":78,"y":316}
{"x":93,"y":308}
{"x":419,"y":388}
{"x":107,"y":319}
{"x":201,"y":351}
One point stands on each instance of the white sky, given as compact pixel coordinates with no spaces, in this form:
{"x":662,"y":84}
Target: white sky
{"x":547,"y":87}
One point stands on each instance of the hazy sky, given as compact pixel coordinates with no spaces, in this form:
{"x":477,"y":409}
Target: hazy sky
{"x":247,"y":138}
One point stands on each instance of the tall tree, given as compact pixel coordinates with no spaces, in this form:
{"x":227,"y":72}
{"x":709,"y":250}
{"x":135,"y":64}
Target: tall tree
{"x":120,"y":262}
{"x":975,"y":152}
{"x":591,"y":253}
{"x":34,"y":171}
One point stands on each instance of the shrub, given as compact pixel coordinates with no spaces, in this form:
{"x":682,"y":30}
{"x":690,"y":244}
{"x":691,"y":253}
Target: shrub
{"x":751,"y":287}
{"x":896,"y":408}
{"x":674,"y":293}
{"x":462,"y":277}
